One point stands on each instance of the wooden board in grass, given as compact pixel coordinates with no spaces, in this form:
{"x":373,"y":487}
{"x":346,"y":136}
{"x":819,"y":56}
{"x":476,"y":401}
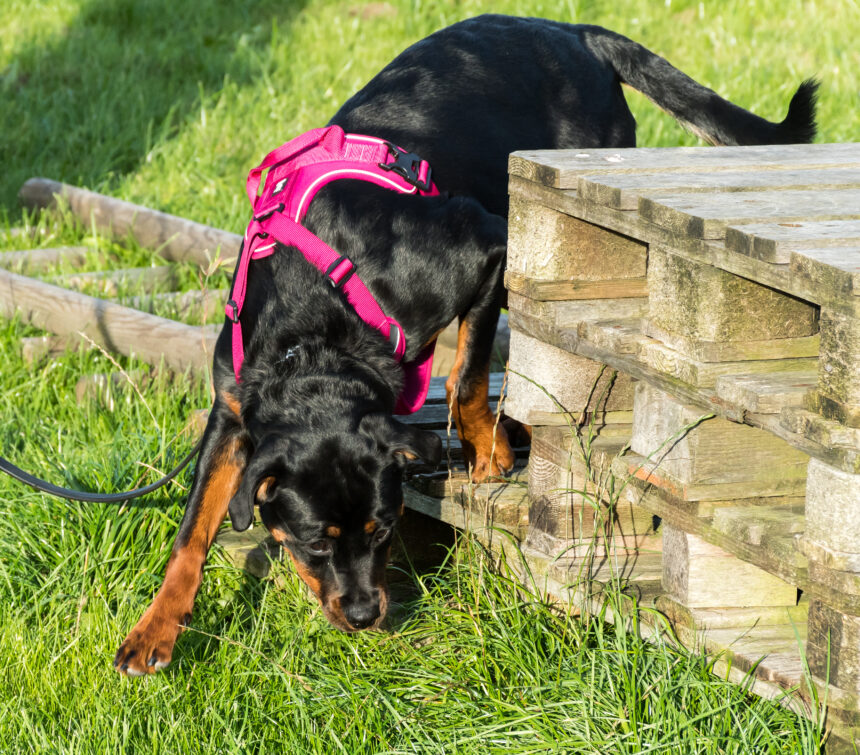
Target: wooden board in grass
{"x":176,"y":239}
{"x":31,"y":261}
{"x":116,"y":328}
{"x":110,"y":282}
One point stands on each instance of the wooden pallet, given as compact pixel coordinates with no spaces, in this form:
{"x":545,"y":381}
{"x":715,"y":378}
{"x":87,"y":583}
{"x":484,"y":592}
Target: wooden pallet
{"x":722,"y":288}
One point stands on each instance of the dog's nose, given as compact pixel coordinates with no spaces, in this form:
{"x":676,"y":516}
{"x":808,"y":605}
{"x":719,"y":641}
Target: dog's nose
{"x":361,"y":613}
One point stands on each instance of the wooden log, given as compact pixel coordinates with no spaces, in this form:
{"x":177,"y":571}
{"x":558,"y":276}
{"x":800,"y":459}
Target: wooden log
{"x":115,"y":327}
{"x":700,"y":575}
{"x":545,"y":379}
{"x":710,"y":459}
{"x":561,"y":169}
{"x":833,"y":646}
{"x":766,"y":393}
{"x":106,"y":388}
{"x":111,"y":282}
{"x":36,"y":348}
{"x":186,"y":305}
{"x":838,"y":395}
{"x":711,"y":315}
{"x":547,"y":245}
{"x":774,"y":242}
{"x":622,"y":190}
{"x":177,"y":239}
{"x":31,"y":261}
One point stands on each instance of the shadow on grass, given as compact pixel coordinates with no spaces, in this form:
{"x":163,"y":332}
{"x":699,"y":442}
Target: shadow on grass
{"x":123,"y":76}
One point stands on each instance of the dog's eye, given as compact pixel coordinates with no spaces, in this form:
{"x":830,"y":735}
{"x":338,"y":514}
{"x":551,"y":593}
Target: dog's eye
{"x":320,"y":547}
{"x":380,"y":536}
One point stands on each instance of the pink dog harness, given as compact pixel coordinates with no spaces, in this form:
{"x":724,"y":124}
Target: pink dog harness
{"x":297,"y":170}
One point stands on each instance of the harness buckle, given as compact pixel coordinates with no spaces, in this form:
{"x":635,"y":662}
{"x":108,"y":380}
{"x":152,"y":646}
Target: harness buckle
{"x":407,"y":165}
{"x":268,"y":213}
{"x":334,"y":265}
{"x":234,"y":315}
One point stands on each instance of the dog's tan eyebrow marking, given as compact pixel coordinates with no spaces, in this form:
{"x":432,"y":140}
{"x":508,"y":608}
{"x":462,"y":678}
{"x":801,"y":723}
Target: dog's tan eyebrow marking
{"x":333,"y":531}
{"x":370,"y":527}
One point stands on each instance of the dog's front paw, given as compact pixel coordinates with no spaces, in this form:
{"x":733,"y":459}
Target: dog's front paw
{"x":149,"y":646}
{"x":490,"y":456}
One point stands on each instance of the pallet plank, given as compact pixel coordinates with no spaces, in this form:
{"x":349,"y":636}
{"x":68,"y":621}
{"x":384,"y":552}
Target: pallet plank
{"x":708,"y":215}
{"x":774,"y":242}
{"x":767,"y":393}
{"x":561,"y":169}
{"x":622,"y":191}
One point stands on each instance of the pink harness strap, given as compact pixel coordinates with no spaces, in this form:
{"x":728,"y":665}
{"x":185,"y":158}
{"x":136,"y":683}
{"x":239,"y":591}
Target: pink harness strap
{"x":297,"y":170}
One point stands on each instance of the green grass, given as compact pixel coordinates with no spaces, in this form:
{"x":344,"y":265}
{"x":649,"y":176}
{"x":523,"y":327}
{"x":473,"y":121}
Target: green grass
{"x":168,"y":104}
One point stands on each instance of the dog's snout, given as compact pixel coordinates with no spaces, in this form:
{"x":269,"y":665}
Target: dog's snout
{"x":362,"y":611}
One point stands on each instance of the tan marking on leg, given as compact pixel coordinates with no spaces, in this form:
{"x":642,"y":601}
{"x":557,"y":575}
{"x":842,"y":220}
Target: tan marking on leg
{"x":485,"y":442}
{"x":155,"y":634}
{"x":232,"y":403}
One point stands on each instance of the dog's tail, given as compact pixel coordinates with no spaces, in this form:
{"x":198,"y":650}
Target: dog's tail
{"x":696,"y":107}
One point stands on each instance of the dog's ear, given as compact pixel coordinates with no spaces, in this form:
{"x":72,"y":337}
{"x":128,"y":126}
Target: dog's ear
{"x":403,"y":441}
{"x":266,"y":468}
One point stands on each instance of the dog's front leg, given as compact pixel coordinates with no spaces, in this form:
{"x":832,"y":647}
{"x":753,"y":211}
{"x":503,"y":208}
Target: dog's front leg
{"x":485,"y":442}
{"x":149,"y":645}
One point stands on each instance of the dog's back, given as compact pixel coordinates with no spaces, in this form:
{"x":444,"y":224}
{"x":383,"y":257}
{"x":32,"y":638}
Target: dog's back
{"x":470,"y":94}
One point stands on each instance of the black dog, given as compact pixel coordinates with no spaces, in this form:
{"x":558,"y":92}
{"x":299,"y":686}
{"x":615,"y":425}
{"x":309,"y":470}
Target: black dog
{"x":308,"y":434}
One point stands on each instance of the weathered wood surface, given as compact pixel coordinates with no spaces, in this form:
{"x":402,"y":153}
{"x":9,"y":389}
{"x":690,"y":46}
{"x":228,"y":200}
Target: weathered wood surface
{"x":36,"y":348}
{"x":833,"y":516}
{"x":559,"y":382}
{"x":692,"y":307}
{"x":176,"y":239}
{"x":30,"y":261}
{"x":561,"y":169}
{"x":698,"y":459}
{"x":622,"y":346}
{"x":199,"y":305}
{"x":833,"y":647}
{"x":700,"y":575}
{"x":774,"y":242}
{"x":766,"y":393}
{"x":544,"y":244}
{"x":571,"y":290}
{"x":111,"y":282}
{"x":117,"y":328}
{"x":712,"y":252}
{"x":707,"y":216}
{"x":622,"y":190}
{"x":838,"y":395}
{"x":836,"y":269}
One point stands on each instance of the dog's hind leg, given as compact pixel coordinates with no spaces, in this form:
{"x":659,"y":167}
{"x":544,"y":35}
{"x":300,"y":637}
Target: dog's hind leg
{"x":149,"y":645}
{"x":485,"y":442}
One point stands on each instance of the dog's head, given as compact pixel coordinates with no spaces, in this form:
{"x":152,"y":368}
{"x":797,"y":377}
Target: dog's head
{"x":333,"y":499}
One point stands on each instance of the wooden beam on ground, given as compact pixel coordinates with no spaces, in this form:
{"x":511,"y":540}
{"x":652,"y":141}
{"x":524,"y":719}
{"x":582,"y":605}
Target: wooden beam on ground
{"x":117,"y":328}
{"x":36,"y":260}
{"x":109,"y":282}
{"x":176,"y":239}
{"x":186,"y":304}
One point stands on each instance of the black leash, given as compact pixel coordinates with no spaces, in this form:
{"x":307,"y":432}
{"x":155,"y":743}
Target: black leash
{"x":78,"y":495}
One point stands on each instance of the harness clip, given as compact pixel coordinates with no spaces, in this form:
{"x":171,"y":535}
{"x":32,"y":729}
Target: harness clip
{"x":234,"y":315}
{"x":334,"y":266}
{"x":407,"y":165}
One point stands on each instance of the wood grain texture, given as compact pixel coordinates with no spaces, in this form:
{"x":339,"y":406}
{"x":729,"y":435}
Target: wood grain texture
{"x":117,"y":328}
{"x":176,"y":239}
{"x":31,"y":261}
{"x":561,"y":169}
{"x":566,"y":290}
{"x":767,"y":393}
{"x":700,"y":575}
{"x":774,"y":242}
{"x":833,"y":508}
{"x":622,"y":190}
{"x":714,"y":458}
{"x":833,"y":646}
{"x":110,"y":282}
{"x":836,"y":269}
{"x":545,"y":244}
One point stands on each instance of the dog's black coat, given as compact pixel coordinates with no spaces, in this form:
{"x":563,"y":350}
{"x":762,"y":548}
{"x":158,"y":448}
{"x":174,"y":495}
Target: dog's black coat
{"x":309,"y":428}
